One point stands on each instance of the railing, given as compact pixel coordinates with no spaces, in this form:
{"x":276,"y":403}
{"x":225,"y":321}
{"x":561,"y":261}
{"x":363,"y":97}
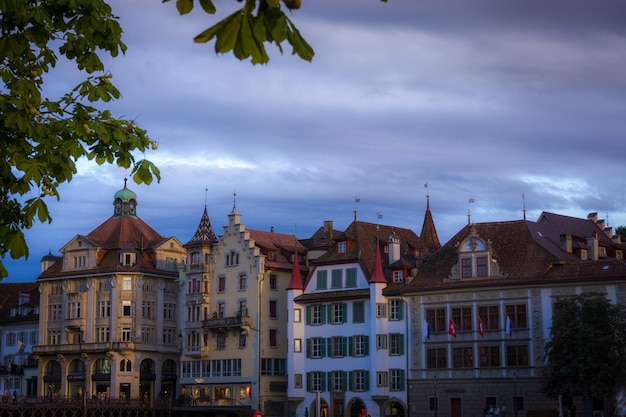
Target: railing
{"x":224,"y":322}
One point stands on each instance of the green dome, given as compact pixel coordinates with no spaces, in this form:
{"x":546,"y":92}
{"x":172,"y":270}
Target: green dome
{"x":125,"y":194}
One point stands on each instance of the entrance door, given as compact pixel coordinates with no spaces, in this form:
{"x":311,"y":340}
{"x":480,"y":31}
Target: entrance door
{"x":456,"y":407}
{"x":338,"y":408}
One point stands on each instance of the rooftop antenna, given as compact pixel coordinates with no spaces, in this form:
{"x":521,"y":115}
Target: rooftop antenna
{"x":469,"y":215}
{"x":607,"y":218}
{"x":427,"y":197}
{"x":206,"y":191}
{"x":356,"y":201}
{"x":524,"y":205}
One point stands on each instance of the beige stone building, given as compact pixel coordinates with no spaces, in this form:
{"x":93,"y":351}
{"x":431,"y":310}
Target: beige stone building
{"x":234,"y":309}
{"x":108,"y":312}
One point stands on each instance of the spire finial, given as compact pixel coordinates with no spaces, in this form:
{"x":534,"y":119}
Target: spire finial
{"x":469,"y":215}
{"x":356,"y":201}
{"x":524,"y":205}
{"x":206,"y":191}
{"x":234,"y":202}
{"x":125,"y":179}
{"x":427,"y":197}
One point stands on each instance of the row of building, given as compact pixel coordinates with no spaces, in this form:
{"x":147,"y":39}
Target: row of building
{"x":374,"y":320}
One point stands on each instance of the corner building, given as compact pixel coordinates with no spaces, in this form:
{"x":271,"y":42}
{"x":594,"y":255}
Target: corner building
{"x":108,"y":305}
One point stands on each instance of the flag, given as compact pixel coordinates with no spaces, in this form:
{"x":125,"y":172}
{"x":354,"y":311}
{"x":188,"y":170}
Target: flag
{"x":481,"y":327}
{"x":379,"y":216}
{"x":426,"y":330}
{"x":452,"y":328}
{"x":21,"y":346}
{"x":509,"y":326}
{"x":471,"y":200}
{"x":357,"y":200}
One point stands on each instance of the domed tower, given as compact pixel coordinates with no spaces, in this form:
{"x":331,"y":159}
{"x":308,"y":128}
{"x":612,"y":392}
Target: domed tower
{"x":125,"y":203}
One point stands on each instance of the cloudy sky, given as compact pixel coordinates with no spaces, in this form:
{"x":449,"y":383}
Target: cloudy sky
{"x":482,"y":99}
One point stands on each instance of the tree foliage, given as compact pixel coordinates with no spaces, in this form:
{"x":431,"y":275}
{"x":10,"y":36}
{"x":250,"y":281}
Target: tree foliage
{"x":41,"y":138}
{"x":586,"y":352}
{"x":621,"y":231}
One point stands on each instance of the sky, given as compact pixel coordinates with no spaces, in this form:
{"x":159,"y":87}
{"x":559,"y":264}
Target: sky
{"x":509,"y":104}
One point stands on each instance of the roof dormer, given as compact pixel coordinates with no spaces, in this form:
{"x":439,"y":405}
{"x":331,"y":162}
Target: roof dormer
{"x":476,"y":259}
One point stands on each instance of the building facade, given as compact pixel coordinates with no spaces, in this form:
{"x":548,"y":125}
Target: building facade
{"x":234,"y":349}
{"x":481,"y":308}
{"x":108,"y":313}
{"x":348,"y":353}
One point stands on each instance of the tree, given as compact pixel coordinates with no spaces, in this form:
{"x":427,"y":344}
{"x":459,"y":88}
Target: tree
{"x":585,"y":353}
{"x":41,"y":138}
{"x":621,"y":231}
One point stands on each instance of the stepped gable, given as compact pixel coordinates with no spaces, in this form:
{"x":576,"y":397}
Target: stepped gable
{"x":525,"y":253}
{"x":204,"y":233}
{"x":282,"y":246}
{"x":364,"y":239}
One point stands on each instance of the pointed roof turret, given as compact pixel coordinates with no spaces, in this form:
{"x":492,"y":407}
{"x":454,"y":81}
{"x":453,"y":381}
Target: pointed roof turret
{"x":296,"y":279}
{"x":429,"y":232}
{"x":378,"y":277}
{"x":204,"y":233}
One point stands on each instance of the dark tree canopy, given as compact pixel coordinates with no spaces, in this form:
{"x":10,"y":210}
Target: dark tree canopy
{"x":586,"y":352}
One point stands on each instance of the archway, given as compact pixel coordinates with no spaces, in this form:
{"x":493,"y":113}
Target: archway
{"x":394,"y":408}
{"x":52,"y":380}
{"x":358,"y":408}
{"x":147,"y":376}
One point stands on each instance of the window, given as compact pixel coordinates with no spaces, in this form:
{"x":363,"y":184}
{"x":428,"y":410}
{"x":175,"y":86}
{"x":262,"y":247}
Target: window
{"x":273,"y":338}
{"x":316,"y":382}
{"x":517,"y":314}
{"x":126,"y":308}
{"x":80,"y":262}
{"x":221,"y":283}
{"x":232,"y":258}
{"x":147,"y":309}
{"x":336,"y":278}
{"x":317,"y":314}
{"x":338,"y":312}
{"x":73,"y":310}
{"x":489,"y":356}
{"x":273,"y":282}
{"x":396,"y":377}
{"x":220,"y":342}
{"x":360,"y":345}
{"x":350,"y":277}
{"x":398,"y":277}
{"x":315,"y":347}
{"x":359,"y":380}
{"x":462,"y":316}
{"x":583,"y":254}
{"x":168,"y":336}
{"x":297,"y":345}
{"x":54,"y":337}
{"x":127,"y":283}
{"x":104,"y":309}
{"x":168,"y":311}
{"x":481,"y":266}
{"x":297,"y":381}
{"x":517,"y":355}
{"x":463,"y":357}
{"x":338,"y":345}
{"x":297,"y":315}
{"x":396,"y":344}
{"x":382,"y":379}
{"x":242,"y":340}
{"x":126,"y":334}
{"x":466,"y":268}
{"x":358,"y":312}
{"x":395,"y":309}
{"x":342,"y":247}
{"x":273,"y":367}
{"x":54,"y":312}
{"x":381,"y":341}
{"x":243,"y":282}
{"x":436,"y":358}
{"x":102,"y":334}
{"x":273,"y":310}
{"x":490,"y":315}
{"x":125,"y":365}
{"x":338,"y":382}
{"x":436,"y":318}
{"x":221,"y":309}
{"x":147,"y":335}
{"x":381,"y":310}
{"x":322,"y":277}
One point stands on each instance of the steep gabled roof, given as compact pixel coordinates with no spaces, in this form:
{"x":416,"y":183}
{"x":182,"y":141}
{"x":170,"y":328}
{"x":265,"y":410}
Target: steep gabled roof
{"x":125,"y":231}
{"x":280,"y":244}
{"x":204,"y":233}
{"x":429,"y":232}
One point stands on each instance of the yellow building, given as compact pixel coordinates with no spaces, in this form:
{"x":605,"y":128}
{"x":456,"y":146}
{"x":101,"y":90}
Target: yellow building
{"x":234,"y":342}
{"x":108,"y":320}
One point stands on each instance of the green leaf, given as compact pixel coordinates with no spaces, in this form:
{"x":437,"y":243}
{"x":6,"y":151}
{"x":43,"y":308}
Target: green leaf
{"x":208,"y":6}
{"x":16,"y":244}
{"x":227,"y":36}
{"x":184,"y":6}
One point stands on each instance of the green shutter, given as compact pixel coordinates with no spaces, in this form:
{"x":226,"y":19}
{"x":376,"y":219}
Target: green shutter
{"x":367,"y":380}
{"x":308,"y":315}
{"x":344,"y":313}
{"x":402,"y":380}
{"x":344,"y":381}
{"x":350,"y":346}
{"x":351,"y":381}
{"x":322,"y":348}
{"x":322,"y":315}
{"x":344,"y":346}
{"x":323,"y":381}
{"x":400,"y":310}
{"x":366,"y":345}
{"x":329,"y":313}
{"x":401,"y":342}
{"x":329,"y":345}
{"x":309,"y":348}
{"x":351,"y":277}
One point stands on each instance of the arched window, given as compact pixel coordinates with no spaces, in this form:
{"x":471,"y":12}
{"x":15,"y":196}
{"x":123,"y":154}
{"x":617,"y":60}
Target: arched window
{"x":125,"y":365}
{"x":195,"y":258}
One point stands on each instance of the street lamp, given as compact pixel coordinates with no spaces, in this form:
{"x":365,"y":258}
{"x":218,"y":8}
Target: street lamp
{"x":514,"y":394}
{"x":435,"y":390}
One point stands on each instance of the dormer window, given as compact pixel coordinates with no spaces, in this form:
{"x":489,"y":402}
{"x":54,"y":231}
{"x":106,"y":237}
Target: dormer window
{"x":602,"y":252}
{"x":619,"y":255}
{"x":583,"y":254}
{"x":128,"y":257}
{"x":476,"y":259}
{"x":398,"y":277}
{"x":342,"y":247}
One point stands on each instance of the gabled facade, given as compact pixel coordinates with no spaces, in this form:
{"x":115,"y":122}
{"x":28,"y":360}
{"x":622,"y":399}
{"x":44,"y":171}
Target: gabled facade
{"x":236,"y":355}
{"x":349,"y":351}
{"x":481,"y":308}
{"x":108,"y":306}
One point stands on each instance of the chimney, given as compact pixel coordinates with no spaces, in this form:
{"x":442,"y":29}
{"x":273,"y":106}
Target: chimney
{"x":566,"y":242}
{"x":394,"y":248}
{"x":608,"y":231}
{"x":600,"y":224}
{"x":593,"y":217}
{"x":594,"y":249}
{"x":328,"y":230}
